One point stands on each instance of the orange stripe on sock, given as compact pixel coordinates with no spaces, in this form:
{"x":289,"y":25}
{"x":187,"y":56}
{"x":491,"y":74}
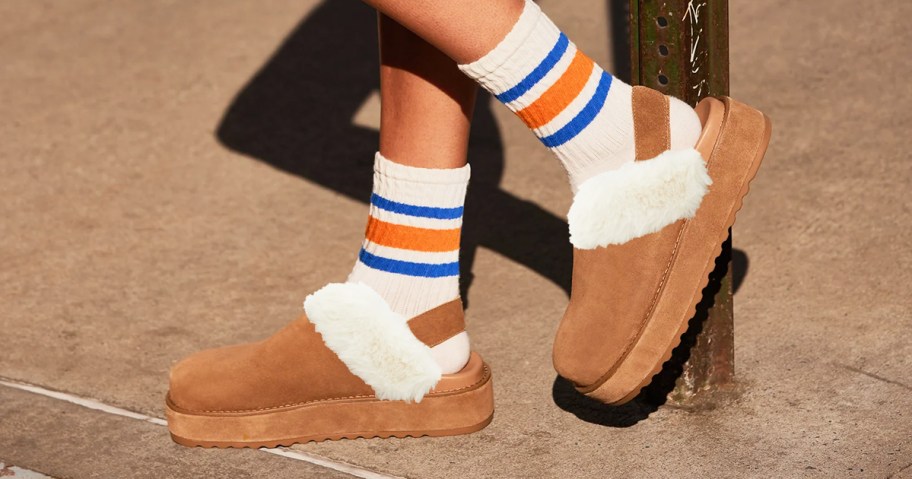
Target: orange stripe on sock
{"x":411,"y":237}
{"x":561,"y":93}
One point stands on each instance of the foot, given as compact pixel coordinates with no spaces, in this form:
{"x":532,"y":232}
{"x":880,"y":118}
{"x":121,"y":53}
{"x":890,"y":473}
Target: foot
{"x":350,"y":367}
{"x":644,"y":228}
{"x":645,"y":239}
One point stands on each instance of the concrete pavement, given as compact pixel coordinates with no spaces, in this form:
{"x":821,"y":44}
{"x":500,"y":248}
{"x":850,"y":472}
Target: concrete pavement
{"x":179,"y":175}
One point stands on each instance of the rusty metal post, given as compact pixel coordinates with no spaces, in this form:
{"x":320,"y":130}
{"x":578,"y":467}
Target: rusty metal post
{"x":680,"y":47}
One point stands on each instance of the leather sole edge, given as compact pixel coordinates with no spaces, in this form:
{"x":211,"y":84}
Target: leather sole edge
{"x":447,"y":414}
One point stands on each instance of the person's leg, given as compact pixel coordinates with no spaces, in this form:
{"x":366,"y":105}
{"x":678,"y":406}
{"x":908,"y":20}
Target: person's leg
{"x":386,"y":353}
{"x":641,"y":165}
{"x":581,"y":113}
{"x":410,"y":254}
{"x":463,"y":30}
{"x":418,"y":82}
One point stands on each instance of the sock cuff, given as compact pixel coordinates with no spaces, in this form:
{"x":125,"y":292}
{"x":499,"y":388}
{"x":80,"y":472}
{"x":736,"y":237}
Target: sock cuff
{"x":491,"y":62}
{"x":439,"y":176}
{"x":410,"y":252}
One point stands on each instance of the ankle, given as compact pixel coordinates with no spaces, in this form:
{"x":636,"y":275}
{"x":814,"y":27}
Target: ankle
{"x":685,"y":129}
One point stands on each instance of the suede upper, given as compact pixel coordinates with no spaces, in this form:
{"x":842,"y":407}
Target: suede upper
{"x":293,"y":366}
{"x":615,"y":288}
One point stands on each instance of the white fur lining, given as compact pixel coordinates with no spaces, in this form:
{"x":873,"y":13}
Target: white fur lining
{"x":637,"y":199}
{"x":373,"y":341}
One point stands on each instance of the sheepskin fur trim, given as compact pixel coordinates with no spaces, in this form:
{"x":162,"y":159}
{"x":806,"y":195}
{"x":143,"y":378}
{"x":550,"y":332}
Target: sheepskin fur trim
{"x":637,"y":199}
{"x":373,"y":341}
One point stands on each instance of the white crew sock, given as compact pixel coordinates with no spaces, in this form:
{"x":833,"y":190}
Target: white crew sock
{"x":410,"y":253}
{"x":579,"y":111}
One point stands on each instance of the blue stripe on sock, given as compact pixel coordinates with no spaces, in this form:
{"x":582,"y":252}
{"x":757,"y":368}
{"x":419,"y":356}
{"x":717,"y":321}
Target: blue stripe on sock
{"x":415,"y":210}
{"x":425,"y":270}
{"x":584,"y":117}
{"x":538,"y":73}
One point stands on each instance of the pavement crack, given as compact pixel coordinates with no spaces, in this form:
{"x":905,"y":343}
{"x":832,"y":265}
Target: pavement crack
{"x":901,"y":469}
{"x":875,"y":376}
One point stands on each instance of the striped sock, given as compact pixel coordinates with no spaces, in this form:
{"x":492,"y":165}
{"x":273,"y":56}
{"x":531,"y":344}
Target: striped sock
{"x":410,"y":253}
{"x":579,"y":111}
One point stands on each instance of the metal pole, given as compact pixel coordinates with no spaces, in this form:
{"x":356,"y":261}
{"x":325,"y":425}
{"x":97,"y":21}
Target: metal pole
{"x":680,"y":47}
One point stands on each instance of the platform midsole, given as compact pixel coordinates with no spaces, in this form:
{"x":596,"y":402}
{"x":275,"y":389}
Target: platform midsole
{"x":365,"y":416}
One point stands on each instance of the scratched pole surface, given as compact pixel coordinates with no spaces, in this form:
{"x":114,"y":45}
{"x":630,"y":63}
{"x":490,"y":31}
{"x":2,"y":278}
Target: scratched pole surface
{"x":680,"y":47}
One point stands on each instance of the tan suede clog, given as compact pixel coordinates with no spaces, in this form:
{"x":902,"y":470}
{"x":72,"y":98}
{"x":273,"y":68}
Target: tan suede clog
{"x":348,"y":368}
{"x":645,"y":239}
